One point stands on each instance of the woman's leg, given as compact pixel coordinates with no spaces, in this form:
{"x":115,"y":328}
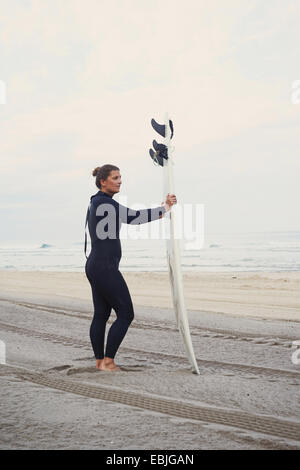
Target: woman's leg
{"x":109,"y":291}
{"x":118,"y":296}
{"x":102,"y":311}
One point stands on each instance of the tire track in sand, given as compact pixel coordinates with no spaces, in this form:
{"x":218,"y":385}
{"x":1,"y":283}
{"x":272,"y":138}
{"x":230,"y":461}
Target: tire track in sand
{"x":152,"y":356}
{"x":279,"y":427}
{"x":209,"y":332}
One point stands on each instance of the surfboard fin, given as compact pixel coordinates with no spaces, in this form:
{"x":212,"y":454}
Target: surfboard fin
{"x":161,"y":148}
{"x":156,"y":157}
{"x":161,"y":128}
{"x":160,"y":154}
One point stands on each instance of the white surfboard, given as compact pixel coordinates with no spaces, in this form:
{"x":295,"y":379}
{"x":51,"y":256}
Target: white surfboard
{"x":173,"y":257}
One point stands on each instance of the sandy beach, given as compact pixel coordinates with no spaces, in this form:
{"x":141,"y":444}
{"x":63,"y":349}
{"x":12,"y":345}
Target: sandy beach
{"x":242,"y":326}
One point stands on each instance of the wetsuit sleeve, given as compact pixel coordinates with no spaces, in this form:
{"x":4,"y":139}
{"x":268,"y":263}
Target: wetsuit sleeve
{"x":142,"y":216}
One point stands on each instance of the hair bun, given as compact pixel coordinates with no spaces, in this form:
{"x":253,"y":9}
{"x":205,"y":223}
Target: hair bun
{"x":96,"y":171}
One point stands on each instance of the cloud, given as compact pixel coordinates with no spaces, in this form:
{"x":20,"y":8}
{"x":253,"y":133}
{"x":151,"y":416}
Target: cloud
{"x":85,"y":78}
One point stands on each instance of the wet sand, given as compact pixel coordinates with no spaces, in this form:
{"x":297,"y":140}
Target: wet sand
{"x":242,"y":325}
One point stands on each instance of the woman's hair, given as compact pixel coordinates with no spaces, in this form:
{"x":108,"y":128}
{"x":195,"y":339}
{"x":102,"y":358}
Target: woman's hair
{"x":102,"y":172}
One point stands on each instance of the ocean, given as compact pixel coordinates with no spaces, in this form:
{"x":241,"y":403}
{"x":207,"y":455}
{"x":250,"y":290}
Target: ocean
{"x":257,"y":251}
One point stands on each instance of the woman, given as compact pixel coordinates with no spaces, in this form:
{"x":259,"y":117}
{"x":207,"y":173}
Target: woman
{"x":109,"y":289}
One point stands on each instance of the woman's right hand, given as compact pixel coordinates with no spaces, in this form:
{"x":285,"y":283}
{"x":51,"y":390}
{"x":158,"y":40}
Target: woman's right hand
{"x":170,"y":201}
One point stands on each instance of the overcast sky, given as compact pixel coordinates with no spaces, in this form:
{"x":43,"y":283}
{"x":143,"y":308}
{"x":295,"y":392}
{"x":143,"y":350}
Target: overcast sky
{"x":84,"y":78}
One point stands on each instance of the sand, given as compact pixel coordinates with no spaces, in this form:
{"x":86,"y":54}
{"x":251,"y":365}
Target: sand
{"x":259,"y":295}
{"x":242,"y":325}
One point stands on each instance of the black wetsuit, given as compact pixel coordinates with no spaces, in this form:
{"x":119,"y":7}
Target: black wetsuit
{"x":109,"y":289}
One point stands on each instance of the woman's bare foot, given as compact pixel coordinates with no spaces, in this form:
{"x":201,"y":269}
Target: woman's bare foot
{"x":98,"y":363}
{"x":106,"y":364}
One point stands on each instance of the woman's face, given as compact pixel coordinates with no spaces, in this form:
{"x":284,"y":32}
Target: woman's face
{"x":112,"y":183}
